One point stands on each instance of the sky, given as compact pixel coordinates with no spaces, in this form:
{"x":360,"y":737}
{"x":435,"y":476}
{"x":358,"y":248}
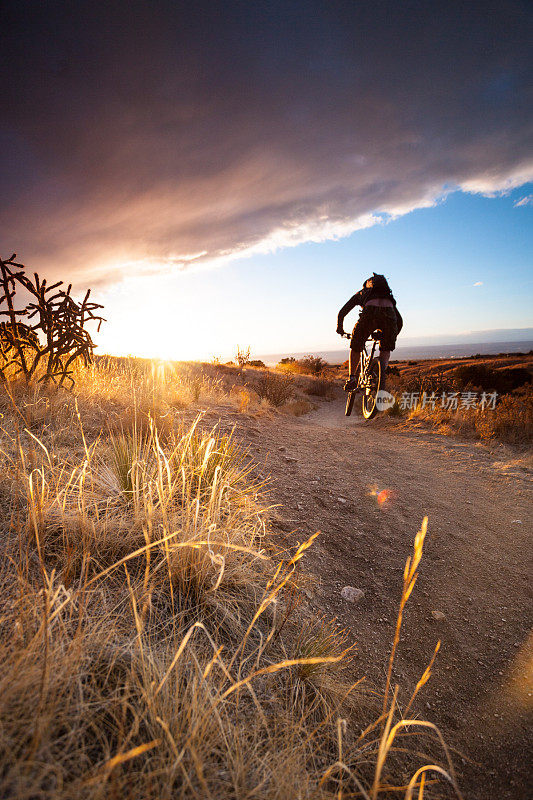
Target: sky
{"x":229,"y":174}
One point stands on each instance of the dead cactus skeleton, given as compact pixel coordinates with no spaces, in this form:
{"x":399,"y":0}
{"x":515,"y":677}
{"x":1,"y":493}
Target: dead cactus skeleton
{"x":48,"y":331}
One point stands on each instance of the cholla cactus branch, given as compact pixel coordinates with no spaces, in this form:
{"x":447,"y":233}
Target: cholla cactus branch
{"x":49,"y":329}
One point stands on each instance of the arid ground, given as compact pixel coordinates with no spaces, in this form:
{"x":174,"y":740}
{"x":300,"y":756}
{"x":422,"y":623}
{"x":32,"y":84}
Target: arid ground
{"x":325,"y":469}
{"x":128,"y":492}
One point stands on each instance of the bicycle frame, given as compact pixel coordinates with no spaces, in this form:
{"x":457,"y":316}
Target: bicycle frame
{"x":365,"y":359}
{"x":368,"y":379}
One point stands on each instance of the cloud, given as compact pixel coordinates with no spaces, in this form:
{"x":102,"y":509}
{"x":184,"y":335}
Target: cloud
{"x":166,"y":136}
{"x":524,"y":201}
{"x":478,"y":283}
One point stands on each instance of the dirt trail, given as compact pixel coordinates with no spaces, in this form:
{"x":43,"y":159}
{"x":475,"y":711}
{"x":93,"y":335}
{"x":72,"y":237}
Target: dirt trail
{"x":475,"y":570}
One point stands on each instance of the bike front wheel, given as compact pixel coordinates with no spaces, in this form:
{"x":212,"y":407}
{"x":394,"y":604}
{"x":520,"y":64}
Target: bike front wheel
{"x":350,"y":400}
{"x":371,"y":390}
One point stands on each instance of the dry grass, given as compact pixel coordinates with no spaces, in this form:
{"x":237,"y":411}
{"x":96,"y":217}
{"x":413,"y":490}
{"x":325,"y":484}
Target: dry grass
{"x":274,"y":388}
{"x":152,"y":641}
{"x":308,"y":365}
{"x":320,"y":387}
{"x":510,"y":422}
{"x":297,"y":408}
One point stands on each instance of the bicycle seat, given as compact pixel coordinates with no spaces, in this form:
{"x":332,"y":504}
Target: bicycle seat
{"x":376,"y":334}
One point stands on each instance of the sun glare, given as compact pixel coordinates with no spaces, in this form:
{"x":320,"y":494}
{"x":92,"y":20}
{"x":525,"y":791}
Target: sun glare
{"x":151,"y":319}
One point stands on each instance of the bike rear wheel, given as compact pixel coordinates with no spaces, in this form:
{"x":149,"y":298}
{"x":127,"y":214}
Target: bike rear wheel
{"x":372,"y":389}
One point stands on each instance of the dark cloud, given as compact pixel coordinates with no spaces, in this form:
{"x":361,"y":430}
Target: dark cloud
{"x":138,"y":133}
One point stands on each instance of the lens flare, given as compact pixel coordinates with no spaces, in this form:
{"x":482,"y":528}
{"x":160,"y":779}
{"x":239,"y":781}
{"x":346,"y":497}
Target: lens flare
{"x":383,"y":496}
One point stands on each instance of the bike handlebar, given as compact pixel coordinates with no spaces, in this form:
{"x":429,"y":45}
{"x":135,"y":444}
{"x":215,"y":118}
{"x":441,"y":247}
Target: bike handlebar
{"x":349,"y":336}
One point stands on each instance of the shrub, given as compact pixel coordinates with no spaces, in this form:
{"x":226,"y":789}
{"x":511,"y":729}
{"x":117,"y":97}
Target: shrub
{"x":274,"y":388}
{"x":510,"y":422}
{"x":242,"y":357}
{"x":501,"y":380}
{"x":420,"y":382}
{"x":309,"y":365}
{"x":312,"y":364}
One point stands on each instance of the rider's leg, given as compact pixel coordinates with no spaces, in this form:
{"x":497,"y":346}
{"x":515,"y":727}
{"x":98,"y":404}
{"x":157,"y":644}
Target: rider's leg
{"x":387,"y":341}
{"x":353,"y":364}
{"x":384,"y":356}
{"x":362,"y":328}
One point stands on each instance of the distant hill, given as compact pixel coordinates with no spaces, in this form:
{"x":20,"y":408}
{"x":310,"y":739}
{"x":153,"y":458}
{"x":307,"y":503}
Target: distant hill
{"x":407,"y":351}
{"x":494,"y":335}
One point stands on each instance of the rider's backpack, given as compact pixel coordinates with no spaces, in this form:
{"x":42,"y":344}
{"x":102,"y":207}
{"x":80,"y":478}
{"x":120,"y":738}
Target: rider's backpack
{"x":379,"y":284}
{"x":378,"y":288}
{"x":381,"y":288}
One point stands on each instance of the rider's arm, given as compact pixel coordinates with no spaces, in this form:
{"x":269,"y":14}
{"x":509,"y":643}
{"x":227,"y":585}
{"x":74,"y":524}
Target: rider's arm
{"x":347,"y":307}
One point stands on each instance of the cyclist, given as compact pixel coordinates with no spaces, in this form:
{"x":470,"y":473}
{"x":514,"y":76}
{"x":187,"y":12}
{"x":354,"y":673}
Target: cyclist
{"x":378,"y":312}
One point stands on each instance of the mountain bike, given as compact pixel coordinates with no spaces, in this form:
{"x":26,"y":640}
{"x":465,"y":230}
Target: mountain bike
{"x":368,"y":377}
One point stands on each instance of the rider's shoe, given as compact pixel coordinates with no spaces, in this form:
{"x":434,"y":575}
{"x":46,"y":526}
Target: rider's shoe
{"x":350,"y":385}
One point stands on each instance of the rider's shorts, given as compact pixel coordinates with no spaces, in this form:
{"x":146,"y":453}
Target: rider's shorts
{"x":371,"y":319}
